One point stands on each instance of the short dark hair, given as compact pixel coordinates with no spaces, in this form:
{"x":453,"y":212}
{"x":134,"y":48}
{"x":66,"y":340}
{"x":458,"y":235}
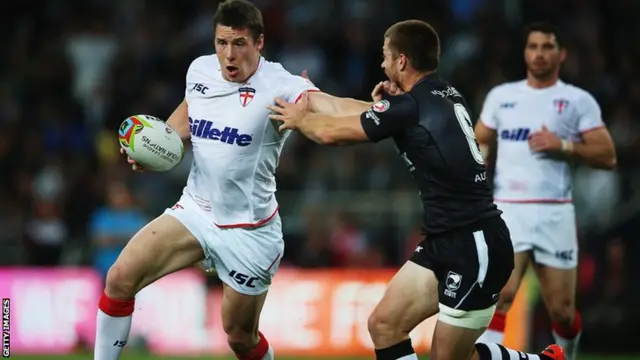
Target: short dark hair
{"x":418,"y":41}
{"x":240,"y":14}
{"x":545,"y":28}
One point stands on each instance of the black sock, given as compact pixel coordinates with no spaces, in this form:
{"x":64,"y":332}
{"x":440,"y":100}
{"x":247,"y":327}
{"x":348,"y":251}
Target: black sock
{"x":396,"y":351}
{"x":491,"y":351}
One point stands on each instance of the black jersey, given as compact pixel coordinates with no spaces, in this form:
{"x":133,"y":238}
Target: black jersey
{"x":434,"y":135}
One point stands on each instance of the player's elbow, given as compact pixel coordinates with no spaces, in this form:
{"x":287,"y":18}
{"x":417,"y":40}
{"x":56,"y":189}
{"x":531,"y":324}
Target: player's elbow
{"x":610,"y":162}
{"x":484,"y":149}
{"x":606,"y":161}
{"x":326,"y":138}
{"x":340,"y":137}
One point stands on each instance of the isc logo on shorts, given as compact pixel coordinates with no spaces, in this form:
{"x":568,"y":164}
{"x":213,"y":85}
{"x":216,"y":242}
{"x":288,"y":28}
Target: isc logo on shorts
{"x":205,"y":129}
{"x":566,"y":255}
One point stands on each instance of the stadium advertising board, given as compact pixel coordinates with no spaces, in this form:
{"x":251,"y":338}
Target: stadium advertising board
{"x":319,"y":312}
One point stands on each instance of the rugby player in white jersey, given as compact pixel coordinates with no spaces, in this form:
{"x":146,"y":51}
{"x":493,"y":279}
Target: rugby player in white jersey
{"x":227,"y":217}
{"x":541,"y":125}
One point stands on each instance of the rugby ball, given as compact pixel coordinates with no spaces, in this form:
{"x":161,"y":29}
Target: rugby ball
{"x":150,"y":142}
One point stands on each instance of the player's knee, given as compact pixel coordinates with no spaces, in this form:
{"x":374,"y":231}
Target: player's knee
{"x":120,"y":283}
{"x":507,"y":295}
{"x":562,"y":311}
{"x":240,"y":340}
{"x":383,"y":329}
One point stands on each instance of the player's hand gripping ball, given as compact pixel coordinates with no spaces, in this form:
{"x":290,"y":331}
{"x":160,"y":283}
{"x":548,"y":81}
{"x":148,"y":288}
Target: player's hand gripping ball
{"x":150,"y":142}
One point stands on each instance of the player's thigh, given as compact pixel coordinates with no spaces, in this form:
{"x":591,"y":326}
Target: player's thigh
{"x":472,"y":265}
{"x":163,"y":246}
{"x":469,"y":285}
{"x":247,"y":259}
{"x":556,"y":258}
{"x":508,"y":292}
{"x":557,"y":239}
{"x":410,"y":298}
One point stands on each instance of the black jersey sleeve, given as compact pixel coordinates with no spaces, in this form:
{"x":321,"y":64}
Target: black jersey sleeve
{"x":389,"y":117}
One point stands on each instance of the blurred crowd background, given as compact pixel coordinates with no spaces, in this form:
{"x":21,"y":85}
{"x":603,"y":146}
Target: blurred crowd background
{"x":73,"y":70}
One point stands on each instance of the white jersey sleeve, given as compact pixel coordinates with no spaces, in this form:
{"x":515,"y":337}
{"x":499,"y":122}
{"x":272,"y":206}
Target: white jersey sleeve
{"x":589,"y":113}
{"x":294,"y":86}
{"x":488,"y":114}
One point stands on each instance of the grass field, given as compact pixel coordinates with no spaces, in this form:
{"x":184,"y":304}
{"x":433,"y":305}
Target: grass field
{"x":152,"y":357}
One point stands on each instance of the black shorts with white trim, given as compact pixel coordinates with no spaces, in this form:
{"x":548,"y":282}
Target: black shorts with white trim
{"x":472,"y":263}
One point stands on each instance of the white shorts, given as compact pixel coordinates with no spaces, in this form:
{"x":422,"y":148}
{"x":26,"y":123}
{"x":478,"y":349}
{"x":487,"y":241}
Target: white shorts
{"x":246,"y":259}
{"x":547,"y":230}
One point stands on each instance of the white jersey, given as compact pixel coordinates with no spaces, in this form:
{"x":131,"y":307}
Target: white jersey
{"x":516,"y":110}
{"x":236,"y":146}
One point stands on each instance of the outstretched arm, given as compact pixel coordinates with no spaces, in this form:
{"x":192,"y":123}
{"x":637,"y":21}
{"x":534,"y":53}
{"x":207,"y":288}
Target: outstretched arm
{"x":379,"y":121}
{"x":328,"y":129}
{"x":324,"y":103}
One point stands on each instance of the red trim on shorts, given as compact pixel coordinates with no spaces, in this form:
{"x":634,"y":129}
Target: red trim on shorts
{"x":593,"y":129}
{"x":115,"y":308}
{"x":273,"y":262}
{"x":302,"y":93}
{"x":257,"y":224}
{"x":534,"y":201}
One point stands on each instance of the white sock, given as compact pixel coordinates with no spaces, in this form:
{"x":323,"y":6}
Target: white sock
{"x":111,"y":336}
{"x":409,"y":357}
{"x":269,"y":355}
{"x":491,"y":336}
{"x":570,"y":346}
{"x":492,"y":351}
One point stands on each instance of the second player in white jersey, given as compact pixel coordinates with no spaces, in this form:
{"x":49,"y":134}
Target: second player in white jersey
{"x":235,"y":145}
{"x":541,"y":125}
{"x":516,"y":111}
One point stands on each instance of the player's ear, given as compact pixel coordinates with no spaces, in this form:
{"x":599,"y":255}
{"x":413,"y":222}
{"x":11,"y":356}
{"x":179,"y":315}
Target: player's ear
{"x":260,"y":42}
{"x":402,"y":62}
{"x":563,"y":54}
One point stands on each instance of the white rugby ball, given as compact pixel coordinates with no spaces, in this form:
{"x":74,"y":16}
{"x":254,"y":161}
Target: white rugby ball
{"x":150,"y":142}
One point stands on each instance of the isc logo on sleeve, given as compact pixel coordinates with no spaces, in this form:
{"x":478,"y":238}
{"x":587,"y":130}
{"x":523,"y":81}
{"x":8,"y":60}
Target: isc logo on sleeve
{"x":206,"y":130}
{"x":519,"y":134}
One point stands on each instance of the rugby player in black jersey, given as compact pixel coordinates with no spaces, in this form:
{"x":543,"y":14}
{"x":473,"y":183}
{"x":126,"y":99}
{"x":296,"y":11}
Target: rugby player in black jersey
{"x":466,"y":257}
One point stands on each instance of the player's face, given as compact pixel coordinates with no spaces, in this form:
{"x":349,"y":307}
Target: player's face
{"x":542,"y":55}
{"x":237,"y":52}
{"x":390,"y":63}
